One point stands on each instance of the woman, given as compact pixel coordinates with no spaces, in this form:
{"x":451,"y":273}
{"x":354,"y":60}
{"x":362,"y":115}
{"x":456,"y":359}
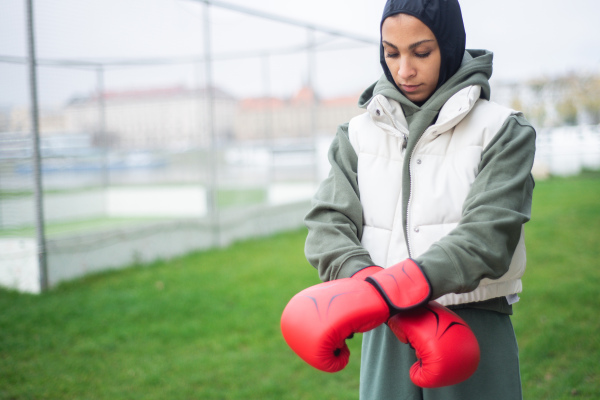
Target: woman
{"x":435,"y":172}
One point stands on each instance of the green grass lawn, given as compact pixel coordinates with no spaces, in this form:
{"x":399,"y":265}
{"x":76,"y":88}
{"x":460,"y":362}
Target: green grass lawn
{"x":206,"y":326}
{"x":557,"y":321}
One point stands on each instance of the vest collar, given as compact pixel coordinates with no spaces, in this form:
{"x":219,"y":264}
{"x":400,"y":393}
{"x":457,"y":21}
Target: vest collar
{"x":388,"y":115}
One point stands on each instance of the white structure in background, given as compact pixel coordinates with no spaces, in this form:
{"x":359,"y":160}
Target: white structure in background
{"x":566,"y":151}
{"x":19,"y":265}
{"x":167,"y":118}
{"x":73,"y":255}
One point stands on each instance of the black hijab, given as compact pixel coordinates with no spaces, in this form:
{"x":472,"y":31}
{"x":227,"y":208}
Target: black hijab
{"x":444,"y":18}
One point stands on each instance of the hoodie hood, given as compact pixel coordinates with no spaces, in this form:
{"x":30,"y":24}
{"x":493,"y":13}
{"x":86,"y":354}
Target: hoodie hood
{"x":475,"y":69}
{"x":444,"y":18}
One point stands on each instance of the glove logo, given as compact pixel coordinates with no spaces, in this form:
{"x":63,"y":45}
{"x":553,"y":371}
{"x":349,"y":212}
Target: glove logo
{"x":314,"y":300}
{"x":437,"y":322}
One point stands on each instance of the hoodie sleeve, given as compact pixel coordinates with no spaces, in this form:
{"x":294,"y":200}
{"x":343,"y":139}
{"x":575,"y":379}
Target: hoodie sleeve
{"x":498,"y":204}
{"x":335,"y":221}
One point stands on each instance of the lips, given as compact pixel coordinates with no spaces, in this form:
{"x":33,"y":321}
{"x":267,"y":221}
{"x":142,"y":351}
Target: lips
{"x":410,"y":88}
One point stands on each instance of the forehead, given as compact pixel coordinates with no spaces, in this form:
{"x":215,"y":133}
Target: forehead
{"x":405,"y":29}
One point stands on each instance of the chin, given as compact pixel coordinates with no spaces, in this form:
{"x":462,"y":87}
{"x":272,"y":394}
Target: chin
{"x":415,"y":98}
{"x":418,"y":97}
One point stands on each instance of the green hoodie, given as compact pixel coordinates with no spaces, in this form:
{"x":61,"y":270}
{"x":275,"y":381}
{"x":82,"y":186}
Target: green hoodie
{"x":500,"y":197}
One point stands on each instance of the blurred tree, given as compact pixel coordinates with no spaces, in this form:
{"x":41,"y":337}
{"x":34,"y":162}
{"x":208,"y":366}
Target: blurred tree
{"x":567,"y":111}
{"x":516,"y":103}
{"x":537,"y":114}
{"x":590,"y":98}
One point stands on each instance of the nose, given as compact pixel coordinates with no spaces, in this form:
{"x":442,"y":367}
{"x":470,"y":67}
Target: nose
{"x":406,"y":69}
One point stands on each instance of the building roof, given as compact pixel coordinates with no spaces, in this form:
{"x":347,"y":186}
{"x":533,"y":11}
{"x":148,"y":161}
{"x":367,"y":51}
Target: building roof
{"x":261,"y":103}
{"x":151,"y":93}
{"x":303,"y":97}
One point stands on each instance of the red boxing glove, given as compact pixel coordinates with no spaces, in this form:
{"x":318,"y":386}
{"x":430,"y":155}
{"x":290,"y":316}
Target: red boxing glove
{"x":447,"y":350}
{"x":318,"y":320}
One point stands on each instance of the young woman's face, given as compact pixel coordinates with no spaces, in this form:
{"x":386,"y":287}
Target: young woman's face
{"x":412,"y":55}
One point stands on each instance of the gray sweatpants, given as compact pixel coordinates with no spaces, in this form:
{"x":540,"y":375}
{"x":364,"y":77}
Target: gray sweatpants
{"x":386,"y":362}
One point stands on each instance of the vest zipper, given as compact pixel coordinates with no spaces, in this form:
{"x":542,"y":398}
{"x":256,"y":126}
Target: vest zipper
{"x":407,"y":228}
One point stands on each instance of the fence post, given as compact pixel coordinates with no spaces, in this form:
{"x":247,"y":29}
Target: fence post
{"x":268,"y":113}
{"x":37,"y":164}
{"x":311,"y":67}
{"x":102,"y":134}
{"x":213,"y":205}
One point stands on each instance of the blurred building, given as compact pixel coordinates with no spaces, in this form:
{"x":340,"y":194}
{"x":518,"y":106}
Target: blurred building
{"x":302,"y":116}
{"x":164,"y":118}
{"x":51,"y":120}
{"x":175,"y":118}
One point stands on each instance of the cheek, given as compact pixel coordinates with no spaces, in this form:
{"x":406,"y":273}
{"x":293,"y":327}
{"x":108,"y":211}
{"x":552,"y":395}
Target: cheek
{"x":391,"y":65}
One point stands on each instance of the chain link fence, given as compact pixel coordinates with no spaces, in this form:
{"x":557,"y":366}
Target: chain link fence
{"x":164,"y":127}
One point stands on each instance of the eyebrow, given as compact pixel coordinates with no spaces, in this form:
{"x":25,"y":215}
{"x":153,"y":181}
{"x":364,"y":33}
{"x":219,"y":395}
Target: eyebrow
{"x":412,"y":46}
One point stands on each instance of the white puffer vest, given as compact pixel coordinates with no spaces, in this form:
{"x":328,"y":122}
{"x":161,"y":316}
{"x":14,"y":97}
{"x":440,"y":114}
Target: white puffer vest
{"x":443,"y":166}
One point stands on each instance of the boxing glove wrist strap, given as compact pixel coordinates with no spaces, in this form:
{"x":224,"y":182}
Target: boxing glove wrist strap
{"x":403,"y":286}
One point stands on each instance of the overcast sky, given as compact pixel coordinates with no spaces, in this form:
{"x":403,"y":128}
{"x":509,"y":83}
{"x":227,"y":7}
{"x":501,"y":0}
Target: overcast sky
{"x":530,"y":38}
